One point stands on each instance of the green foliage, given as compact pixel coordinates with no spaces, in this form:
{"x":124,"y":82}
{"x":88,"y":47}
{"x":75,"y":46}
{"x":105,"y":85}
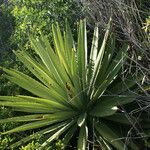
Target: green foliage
{"x":6,"y":112}
{"x":5,"y":142}
{"x":35,"y":145}
{"x":32,"y":17}
{"x":146,"y":26}
{"x":76,"y":96}
{"x":30,"y":146}
{"x":7,"y":58}
{"x":6,"y":87}
{"x":7,"y":26}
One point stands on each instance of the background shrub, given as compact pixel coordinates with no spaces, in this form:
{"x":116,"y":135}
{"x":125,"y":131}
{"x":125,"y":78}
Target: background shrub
{"x":36,"y":16}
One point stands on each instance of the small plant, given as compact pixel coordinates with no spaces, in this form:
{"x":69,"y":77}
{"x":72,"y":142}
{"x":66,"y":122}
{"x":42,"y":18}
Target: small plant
{"x":5,"y":142}
{"x":146,"y":26}
{"x":76,"y":97}
{"x":30,"y":146}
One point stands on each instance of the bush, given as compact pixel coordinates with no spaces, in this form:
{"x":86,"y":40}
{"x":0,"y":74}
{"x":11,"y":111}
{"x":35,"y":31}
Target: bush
{"x":34,"y":16}
{"x":7,"y":27}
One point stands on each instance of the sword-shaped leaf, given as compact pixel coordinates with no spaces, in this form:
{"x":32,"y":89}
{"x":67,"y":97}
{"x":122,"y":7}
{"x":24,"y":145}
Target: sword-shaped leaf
{"x":108,"y":105}
{"x":99,"y":59}
{"x":48,"y":130}
{"x":55,"y":135}
{"x":33,"y":125}
{"x":83,"y":136}
{"x":109,"y":135}
{"x":111,"y":72}
{"x":69,"y":135}
{"x":26,"y":118}
{"x":82,"y":53}
{"x":93,"y":54}
{"x":45,"y":77}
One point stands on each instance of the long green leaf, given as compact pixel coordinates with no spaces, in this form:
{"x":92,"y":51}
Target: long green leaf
{"x":108,"y":105}
{"x":70,"y":49}
{"x":69,"y":135}
{"x":109,"y":50}
{"x":125,"y":84}
{"x":111,"y":73}
{"x":55,"y":135}
{"x":50,"y":59}
{"x":59,"y":45}
{"x":82,"y":53}
{"x":83,"y":135}
{"x":30,"y":84}
{"x":99,"y":58}
{"x":26,"y":118}
{"x":11,"y":99}
{"x":103,"y":142}
{"x":40,"y":73}
{"x":93,"y":54}
{"x":25,"y":105}
{"x":47,"y":102}
{"x":33,"y":125}
{"x":59,"y":68}
{"x":121,"y":118}
{"x":31,"y":104}
{"x":48,"y":130}
{"x":109,"y":135}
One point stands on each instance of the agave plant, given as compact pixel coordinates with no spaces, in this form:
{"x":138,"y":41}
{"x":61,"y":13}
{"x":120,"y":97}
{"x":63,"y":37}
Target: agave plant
{"x":73,"y":96}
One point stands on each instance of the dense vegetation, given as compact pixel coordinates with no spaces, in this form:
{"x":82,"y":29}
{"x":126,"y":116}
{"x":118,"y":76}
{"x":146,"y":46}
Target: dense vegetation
{"x":20,"y":20}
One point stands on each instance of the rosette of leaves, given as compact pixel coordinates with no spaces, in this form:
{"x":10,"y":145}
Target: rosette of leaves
{"x":74,"y":97}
